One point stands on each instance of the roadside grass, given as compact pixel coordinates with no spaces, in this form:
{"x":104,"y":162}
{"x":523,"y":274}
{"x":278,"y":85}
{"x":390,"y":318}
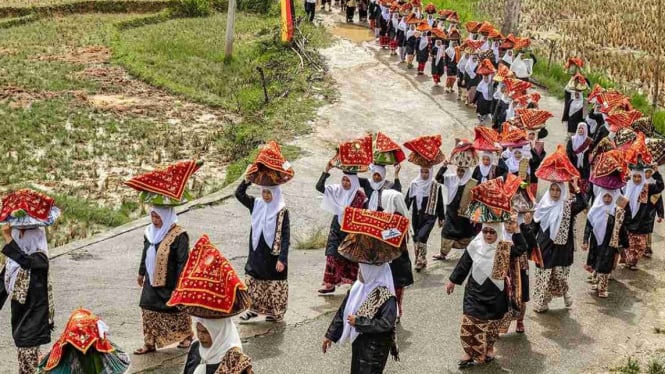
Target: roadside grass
{"x":35,"y":3}
{"x":62,"y":145}
{"x":186,"y":56}
{"x":632,"y":366}
{"x":315,"y":239}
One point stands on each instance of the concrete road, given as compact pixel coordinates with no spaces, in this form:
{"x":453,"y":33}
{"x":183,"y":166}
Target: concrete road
{"x":375,"y":94}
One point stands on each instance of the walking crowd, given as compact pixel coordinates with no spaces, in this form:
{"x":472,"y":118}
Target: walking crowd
{"x":482,"y":195}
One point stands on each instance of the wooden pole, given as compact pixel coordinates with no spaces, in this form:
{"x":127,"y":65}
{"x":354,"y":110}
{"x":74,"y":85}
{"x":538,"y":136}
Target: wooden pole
{"x":658,"y":51}
{"x":230,"y":25}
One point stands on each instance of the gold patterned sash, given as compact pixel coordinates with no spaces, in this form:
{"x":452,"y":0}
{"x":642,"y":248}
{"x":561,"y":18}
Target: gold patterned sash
{"x":277,"y":243}
{"x":162,"y":258}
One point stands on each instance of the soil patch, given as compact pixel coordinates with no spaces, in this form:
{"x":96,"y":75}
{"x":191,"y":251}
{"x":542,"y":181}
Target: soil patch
{"x":94,"y":54}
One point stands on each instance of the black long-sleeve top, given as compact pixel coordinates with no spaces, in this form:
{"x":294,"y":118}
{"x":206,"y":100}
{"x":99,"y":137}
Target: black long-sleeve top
{"x":554,"y":254}
{"x":155,"y":298}
{"x":483,"y":301}
{"x":645,"y":217}
{"x":455,"y":226}
{"x":585,"y":170}
{"x":602,"y":253}
{"x":336,"y":235}
{"x":497,"y":171}
{"x":260,"y":262}
{"x":381,"y":325}
{"x":30,"y":321}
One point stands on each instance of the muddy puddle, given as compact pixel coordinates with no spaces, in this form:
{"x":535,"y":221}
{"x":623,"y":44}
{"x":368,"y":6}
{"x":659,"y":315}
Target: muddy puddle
{"x":356,"y":33}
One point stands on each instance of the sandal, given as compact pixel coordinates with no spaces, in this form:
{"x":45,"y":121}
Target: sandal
{"x":145,"y":350}
{"x":273,"y":319}
{"x":439,"y":257}
{"x":186,"y":343}
{"x":463,"y":364}
{"x":632,"y":267}
{"x":248,"y":316}
{"x":489,"y":359}
{"x":325,"y":291}
{"x":520,"y":327}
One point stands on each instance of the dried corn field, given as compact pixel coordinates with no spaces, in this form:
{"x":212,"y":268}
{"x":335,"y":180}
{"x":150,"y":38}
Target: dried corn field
{"x":615,"y":37}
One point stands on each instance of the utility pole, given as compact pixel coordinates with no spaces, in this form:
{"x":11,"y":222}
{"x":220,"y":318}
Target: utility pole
{"x":230,"y":25}
{"x":656,"y":87}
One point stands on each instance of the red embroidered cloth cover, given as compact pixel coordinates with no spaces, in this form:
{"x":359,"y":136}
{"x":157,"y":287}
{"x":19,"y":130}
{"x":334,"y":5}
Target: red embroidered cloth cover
{"x":486,"y":139}
{"x":493,"y":194}
{"x":427,"y":146}
{"x":81,"y":332}
{"x":373,"y":224}
{"x":35,"y":204}
{"x":557,"y":167}
{"x":638,"y":153}
{"x":356,"y":152}
{"x":533,"y":119}
{"x":170,"y":181}
{"x":208,"y":280}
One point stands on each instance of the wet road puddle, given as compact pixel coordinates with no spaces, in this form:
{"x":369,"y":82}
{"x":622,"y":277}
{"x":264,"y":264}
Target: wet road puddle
{"x":354,"y":32}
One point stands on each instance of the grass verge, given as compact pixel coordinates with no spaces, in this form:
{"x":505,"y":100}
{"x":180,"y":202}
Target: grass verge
{"x":186,"y":56}
{"x":315,"y":239}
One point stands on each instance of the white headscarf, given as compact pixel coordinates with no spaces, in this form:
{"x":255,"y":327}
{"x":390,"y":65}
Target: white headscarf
{"x":423,"y":42}
{"x":599,"y":212}
{"x":373,"y":276}
{"x":31,"y":242}
{"x":633,"y":192}
{"x":470,"y":68}
{"x":402,"y":24}
{"x":336,"y":198}
{"x":264,"y":216}
{"x":522,"y":67}
{"x":484,"y":87}
{"x":461,"y":64}
{"x":485,"y":170}
{"x":374,"y":198}
{"x":224,"y":337}
{"x":156,"y":235}
{"x":420,"y":187}
{"x":578,"y":140}
{"x":513,"y":163}
{"x":385,"y":12}
{"x":450,"y":51}
{"x":549,"y":212}
{"x":482,"y":254}
{"x":508,"y":58}
{"x":439,"y":52}
{"x":576,"y":104}
{"x":452,"y":183}
{"x":393,"y":202}
{"x":395,"y":20}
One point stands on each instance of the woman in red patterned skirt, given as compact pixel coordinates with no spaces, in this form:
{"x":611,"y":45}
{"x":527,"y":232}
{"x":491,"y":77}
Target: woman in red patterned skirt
{"x":336,"y":197}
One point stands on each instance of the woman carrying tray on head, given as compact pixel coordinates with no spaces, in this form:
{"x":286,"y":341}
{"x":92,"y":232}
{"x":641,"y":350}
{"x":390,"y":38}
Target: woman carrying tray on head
{"x":266,"y":269}
{"x":553,"y":225}
{"x":24,"y":279}
{"x":336,"y":197}
{"x":165,"y":251}
{"x":484,"y":265}
{"x":368,"y":314}
{"x":84,"y":348}
{"x":211,"y":292}
{"x":642,"y":196}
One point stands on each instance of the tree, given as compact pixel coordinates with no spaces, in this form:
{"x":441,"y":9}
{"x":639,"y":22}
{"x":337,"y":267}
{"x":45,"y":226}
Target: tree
{"x":511,"y":17}
{"x":230,"y":23}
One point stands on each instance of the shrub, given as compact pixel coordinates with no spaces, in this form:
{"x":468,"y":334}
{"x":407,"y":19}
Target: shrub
{"x":193,"y":8}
